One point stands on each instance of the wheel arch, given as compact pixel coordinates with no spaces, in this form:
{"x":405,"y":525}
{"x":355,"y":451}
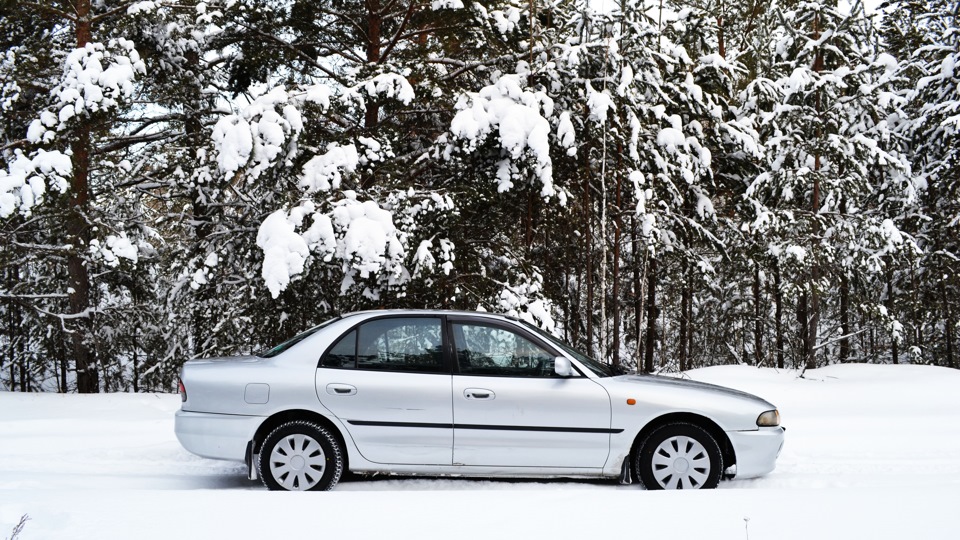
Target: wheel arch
{"x":274,"y":421}
{"x":715,"y":431}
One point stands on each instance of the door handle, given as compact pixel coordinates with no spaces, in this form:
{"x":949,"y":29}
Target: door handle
{"x":338,"y":389}
{"x":479,"y":393}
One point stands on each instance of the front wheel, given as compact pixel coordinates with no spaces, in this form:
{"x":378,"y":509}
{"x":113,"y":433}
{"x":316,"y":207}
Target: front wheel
{"x":679,"y":456}
{"x":300,"y":456}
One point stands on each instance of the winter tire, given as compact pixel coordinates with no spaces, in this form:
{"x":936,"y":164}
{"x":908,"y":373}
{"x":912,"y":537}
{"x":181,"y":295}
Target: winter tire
{"x":679,"y":456}
{"x":300,"y":456}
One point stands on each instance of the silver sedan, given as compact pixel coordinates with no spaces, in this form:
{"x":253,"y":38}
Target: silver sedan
{"x":467,"y":394}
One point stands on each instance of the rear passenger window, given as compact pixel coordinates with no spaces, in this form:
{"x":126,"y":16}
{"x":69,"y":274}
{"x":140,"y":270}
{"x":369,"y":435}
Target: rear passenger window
{"x":343,"y":354}
{"x":412,"y":344}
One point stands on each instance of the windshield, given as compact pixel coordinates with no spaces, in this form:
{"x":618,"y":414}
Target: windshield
{"x":599,"y":368}
{"x":277,"y":349}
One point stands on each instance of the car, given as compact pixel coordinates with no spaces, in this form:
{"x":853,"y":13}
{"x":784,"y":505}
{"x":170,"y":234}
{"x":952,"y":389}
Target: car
{"x":471,"y":394}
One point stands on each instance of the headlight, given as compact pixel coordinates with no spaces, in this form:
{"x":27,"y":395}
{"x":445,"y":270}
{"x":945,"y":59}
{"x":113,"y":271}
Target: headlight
{"x":769,"y":419}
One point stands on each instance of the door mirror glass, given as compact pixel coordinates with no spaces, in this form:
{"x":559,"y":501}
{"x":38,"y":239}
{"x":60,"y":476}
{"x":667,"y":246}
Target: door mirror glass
{"x":562,"y":366}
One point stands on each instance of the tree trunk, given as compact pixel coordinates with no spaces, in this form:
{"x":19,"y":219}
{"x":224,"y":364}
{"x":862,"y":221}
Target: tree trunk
{"x":64,"y":364}
{"x":894,"y":346}
{"x":374,"y":30}
{"x":690,"y":326}
{"x":637,"y":290}
{"x":813,"y":313}
{"x":757,"y":320}
{"x":844,"y":318}
{"x":615,"y":301}
{"x":78,"y":236}
{"x":803,"y":320}
{"x":374,"y":34}
{"x":778,"y":315}
{"x":652,"y":313}
{"x":588,"y":311}
{"x":684,"y":325}
{"x":948,"y":323}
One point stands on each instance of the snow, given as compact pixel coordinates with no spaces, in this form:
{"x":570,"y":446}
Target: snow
{"x":24,"y":183}
{"x":258,"y":134}
{"x":446,"y":4}
{"x":369,"y":238}
{"x":284,"y":251}
{"x":142,"y":7}
{"x":566,"y":133}
{"x":391,"y":85}
{"x":870,"y":453}
{"x":115,"y":248}
{"x":359,"y":234}
{"x":599,"y":104}
{"x":515,"y":115}
{"x":325,"y":171}
{"x":506,"y":21}
{"x":95,"y":78}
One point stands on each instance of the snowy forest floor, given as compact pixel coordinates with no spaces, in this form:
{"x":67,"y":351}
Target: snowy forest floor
{"x":872,"y":451}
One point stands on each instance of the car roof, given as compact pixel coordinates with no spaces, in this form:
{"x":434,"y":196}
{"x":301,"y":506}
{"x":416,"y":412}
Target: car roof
{"x":429,"y":312}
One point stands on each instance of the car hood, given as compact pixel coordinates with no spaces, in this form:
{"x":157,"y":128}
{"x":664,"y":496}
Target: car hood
{"x":690,"y":385}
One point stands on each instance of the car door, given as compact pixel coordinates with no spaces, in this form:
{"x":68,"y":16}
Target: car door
{"x":511,"y":410}
{"x":388,"y":382}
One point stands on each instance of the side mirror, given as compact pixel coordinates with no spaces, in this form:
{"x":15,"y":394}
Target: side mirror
{"x":562,"y":367}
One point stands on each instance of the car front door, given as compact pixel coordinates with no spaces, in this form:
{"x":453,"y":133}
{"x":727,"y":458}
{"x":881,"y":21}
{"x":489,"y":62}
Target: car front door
{"x":387,"y":381}
{"x":511,"y":410}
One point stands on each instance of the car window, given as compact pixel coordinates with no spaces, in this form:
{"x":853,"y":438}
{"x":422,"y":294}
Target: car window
{"x":598,"y":368}
{"x":277,"y":349}
{"x":343,"y":354}
{"x":399,"y":344}
{"x":491,"y":350}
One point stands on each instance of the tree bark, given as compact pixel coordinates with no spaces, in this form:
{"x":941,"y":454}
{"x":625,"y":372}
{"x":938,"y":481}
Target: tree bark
{"x":844,"y":318}
{"x":894,"y":346}
{"x":948,"y":323}
{"x":615,"y":301}
{"x":778,"y":315}
{"x":637,"y":290}
{"x":813,"y":310}
{"x":803,"y":319}
{"x":652,"y":313}
{"x":78,"y":236}
{"x":757,"y":320}
{"x":588,"y":312}
{"x":684,"y":322}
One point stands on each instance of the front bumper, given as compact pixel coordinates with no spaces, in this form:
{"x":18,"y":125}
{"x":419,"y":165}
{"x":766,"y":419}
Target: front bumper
{"x":756,"y":451}
{"x":216,"y":436}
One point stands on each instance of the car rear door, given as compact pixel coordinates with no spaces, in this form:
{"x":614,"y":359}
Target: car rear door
{"x":388,"y":381}
{"x":511,"y":410}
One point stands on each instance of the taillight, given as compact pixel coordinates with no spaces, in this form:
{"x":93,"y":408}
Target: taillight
{"x":182,"y":389}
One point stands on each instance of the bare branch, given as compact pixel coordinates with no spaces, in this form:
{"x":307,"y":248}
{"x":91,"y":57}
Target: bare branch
{"x":122,"y":7}
{"x":396,"y":37}
{"x":51,"y":9}
{"x":120,"y":143}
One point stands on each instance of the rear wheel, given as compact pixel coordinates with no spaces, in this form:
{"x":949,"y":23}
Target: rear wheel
{"x":679,"y":456}
{"x":300,"y":456}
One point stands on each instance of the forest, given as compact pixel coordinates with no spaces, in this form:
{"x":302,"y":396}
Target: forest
{"x":665,"y":184}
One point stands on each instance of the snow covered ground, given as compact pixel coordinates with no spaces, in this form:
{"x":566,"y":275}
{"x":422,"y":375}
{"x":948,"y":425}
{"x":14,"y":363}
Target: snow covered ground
{"x":872,"y":451}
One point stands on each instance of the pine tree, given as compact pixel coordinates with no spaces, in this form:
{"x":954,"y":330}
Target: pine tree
{"x":830,"y":196}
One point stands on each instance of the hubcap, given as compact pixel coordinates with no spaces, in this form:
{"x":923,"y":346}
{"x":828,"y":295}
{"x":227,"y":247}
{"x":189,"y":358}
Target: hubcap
{"x":297,"y":462}
{"x":681,"y":463}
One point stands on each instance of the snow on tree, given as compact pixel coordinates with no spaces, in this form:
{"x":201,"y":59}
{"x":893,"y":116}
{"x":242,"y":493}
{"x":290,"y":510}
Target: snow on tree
{"x":835,"y":182}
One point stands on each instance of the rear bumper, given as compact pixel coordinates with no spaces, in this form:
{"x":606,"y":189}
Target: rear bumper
{"x":216,"y":436}
{"x":756,"y":451}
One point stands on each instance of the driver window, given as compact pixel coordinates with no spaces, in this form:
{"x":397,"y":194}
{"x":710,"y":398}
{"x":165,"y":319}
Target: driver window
{"x":489,"y":350}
